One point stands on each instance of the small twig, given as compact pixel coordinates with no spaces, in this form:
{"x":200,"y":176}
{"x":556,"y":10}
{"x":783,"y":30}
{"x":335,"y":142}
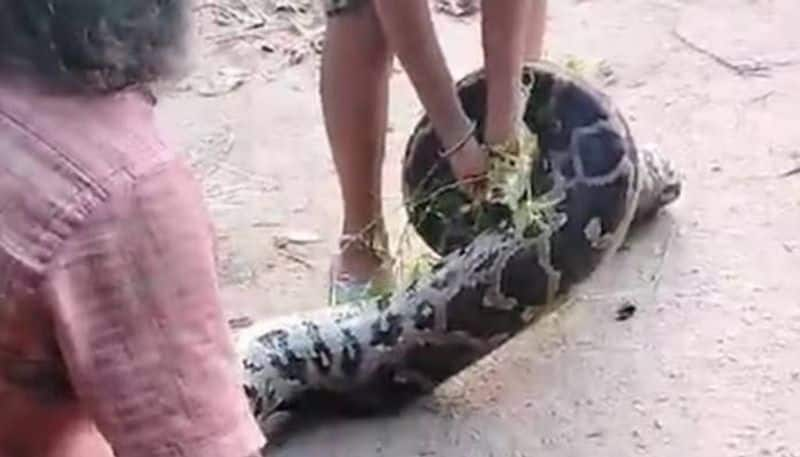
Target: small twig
{"x":255,"y":11}
{"x":296,"y":258}
{"x":308,"y":34}
{"x":266,"y":184}
{"x":792,"y":172}
{"x":255,"y":29}
{"x":665,"y":248}
{"x":754,"y":69}
{"x":761,"y":98}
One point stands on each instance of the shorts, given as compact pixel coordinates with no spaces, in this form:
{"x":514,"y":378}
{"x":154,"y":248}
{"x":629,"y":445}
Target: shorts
{"x":335,"y":7}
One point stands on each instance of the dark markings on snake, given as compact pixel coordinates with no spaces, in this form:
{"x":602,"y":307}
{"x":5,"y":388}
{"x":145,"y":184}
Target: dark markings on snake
{"x":271,"y":392}
{"x":322,"y":356}
{"x":424,"y":316}
{"x":567,"y":167}
{"x":437,"y":267}
{"x":600,"y":152}
{"x":488,"y":261}
{"x":439,"y":361}
{"x":384,"y":301}
{"x":440,"y":282}
{"x":464,"y":250}
{"x":351,"y":353}
{"x":386,"y":331}
{"x":269,"y":339}
{"x":524,"y":279}
{"x":413,"y":286}
{"x":466,"y":313}
{"x":252,"y":367}
{"x":282,"y":358}
{"x":612,"y":197}
{"x":257,"y":402}
{"x":574,"y":109}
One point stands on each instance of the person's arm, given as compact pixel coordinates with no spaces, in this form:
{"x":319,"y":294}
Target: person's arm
{"x":409,"y":29}
{"x":133,"y":296}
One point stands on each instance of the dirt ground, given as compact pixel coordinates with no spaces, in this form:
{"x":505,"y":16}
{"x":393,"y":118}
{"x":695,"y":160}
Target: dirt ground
{"x":706,"y":365}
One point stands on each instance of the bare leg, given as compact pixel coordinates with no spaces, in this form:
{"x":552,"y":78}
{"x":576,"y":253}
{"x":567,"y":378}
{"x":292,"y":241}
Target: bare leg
{"x":356,"y":66}
{"x":504,"y":44}
{"x":535,"y":30}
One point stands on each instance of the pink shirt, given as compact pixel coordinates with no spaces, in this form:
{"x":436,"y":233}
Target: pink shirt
{"x":108,"y":300}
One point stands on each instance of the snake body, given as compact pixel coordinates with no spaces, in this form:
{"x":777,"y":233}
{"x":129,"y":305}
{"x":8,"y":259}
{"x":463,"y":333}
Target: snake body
{"x":488,"y":285}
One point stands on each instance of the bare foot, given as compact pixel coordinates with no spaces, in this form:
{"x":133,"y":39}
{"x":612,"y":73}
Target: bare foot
{"x":357,"y":261}
{"x":363,"y":267}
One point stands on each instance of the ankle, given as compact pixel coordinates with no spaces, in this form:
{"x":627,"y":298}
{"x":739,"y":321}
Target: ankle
{"x":357,"y":264}
{"x":373,"y":232}
{"x":369,"y":240}
{"x":362,"y":256}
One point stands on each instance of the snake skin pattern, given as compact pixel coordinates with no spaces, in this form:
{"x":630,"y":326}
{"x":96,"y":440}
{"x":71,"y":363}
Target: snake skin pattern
{"x":372,"y":356}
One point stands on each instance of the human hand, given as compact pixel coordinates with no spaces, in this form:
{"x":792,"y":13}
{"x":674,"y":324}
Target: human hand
{"x":470,"y":164}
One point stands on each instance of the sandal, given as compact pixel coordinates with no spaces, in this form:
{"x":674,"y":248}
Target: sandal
{"x":345,"y":289}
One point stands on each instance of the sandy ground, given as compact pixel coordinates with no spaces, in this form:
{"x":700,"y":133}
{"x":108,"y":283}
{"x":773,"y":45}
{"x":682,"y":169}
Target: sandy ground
{"x":706,"y":365}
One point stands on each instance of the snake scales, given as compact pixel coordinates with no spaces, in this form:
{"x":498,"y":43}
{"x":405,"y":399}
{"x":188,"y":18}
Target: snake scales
{"x":368,"y":357}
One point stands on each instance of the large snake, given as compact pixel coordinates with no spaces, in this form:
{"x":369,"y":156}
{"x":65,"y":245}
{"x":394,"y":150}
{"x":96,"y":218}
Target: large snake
{"x":489,"y":285}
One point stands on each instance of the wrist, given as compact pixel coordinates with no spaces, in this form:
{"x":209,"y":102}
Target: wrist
{"x":453,"y":130}
{"x":453,"y":148}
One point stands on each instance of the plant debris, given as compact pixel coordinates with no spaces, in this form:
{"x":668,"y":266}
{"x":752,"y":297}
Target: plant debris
{"x":238,"y":323}
{"x":223,"y":81}
{"x":743,"y":69}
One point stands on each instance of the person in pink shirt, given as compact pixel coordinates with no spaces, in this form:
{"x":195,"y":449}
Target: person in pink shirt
{"x":112,"y":341}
